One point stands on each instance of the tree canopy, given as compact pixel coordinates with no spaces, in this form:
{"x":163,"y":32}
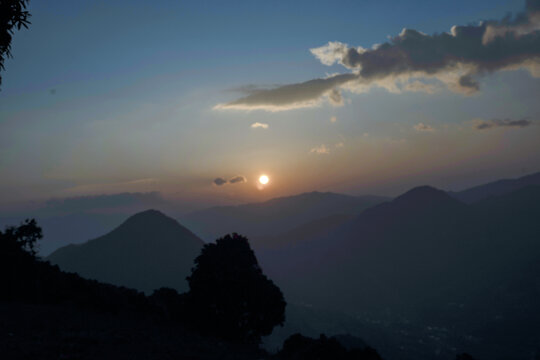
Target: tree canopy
{"x":23,"y":237}
{"x":13,"y":14}
{"x":229,"y":294}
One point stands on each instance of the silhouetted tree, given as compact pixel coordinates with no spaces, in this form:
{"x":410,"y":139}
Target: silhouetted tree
{"x":230,"y":296}
{"x":18,"y":260}
{"x":13,"y":14}
{"x":23,"y":237}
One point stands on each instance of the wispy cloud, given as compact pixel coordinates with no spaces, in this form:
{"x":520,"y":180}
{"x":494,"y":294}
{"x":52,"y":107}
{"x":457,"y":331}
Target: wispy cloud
{"x":496,"y":123}
{"x":421,"y":127}
{"x":259,"y":125}
{"x":413,"y":61}
{"x":320,"y":150}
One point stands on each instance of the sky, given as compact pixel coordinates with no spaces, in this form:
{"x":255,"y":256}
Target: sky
{"x":198,"y":99}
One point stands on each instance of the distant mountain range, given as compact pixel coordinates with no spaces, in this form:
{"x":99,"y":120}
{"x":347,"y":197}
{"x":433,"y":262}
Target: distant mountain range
{"x":425,"y":257}
{"x":427,"y":232}
{"x":275,"y":216}
{"x":148,"y":251}
{"x":295,"y":230}
{"x":75,"y":220}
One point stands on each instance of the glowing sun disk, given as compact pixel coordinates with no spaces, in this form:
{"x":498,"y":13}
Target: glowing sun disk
{"x":263,"y":179}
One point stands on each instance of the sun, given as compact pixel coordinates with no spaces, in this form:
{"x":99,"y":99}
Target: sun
{"x":263,"y":179}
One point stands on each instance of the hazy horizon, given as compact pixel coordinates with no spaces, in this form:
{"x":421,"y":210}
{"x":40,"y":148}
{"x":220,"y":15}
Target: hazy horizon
{"x":123,"y":202}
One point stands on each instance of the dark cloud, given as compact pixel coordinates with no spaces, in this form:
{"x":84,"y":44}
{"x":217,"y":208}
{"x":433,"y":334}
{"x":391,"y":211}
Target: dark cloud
{"x":457,"y":59}
{"x":483,"y":125}
{"x":467,"y":82}
{"x":466,"y":48}
{"x":234,"y":180}
{"x":524,"y":23}
{"x":238,"y":179}
{"x":220,"y":181}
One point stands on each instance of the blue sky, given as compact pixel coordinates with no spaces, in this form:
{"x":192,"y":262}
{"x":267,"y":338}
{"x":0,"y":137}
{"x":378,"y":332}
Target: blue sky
{"x":111,"y":96}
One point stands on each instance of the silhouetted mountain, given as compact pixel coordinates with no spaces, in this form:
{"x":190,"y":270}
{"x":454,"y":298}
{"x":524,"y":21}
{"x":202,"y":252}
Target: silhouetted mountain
{"x":430,"y":259}
{"x":424,"y":196}
{"x":372,"y":247}
{"x":148,"y":251}
{"x":499,"y":187}
{"x":419,"y":201}
{"x":275,"y":216}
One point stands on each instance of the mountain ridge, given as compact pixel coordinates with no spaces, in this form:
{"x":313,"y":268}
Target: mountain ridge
{"x":397,"y":252}
{"x":276,"y":215}
{"x":495,"y":188}
{"x":147,"y":251}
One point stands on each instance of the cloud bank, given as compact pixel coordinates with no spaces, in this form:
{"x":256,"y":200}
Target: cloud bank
{"x":413,"y":61}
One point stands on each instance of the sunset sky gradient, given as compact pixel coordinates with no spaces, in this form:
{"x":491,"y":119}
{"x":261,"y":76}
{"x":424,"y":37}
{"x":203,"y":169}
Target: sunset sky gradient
{"x":104,"y":97}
